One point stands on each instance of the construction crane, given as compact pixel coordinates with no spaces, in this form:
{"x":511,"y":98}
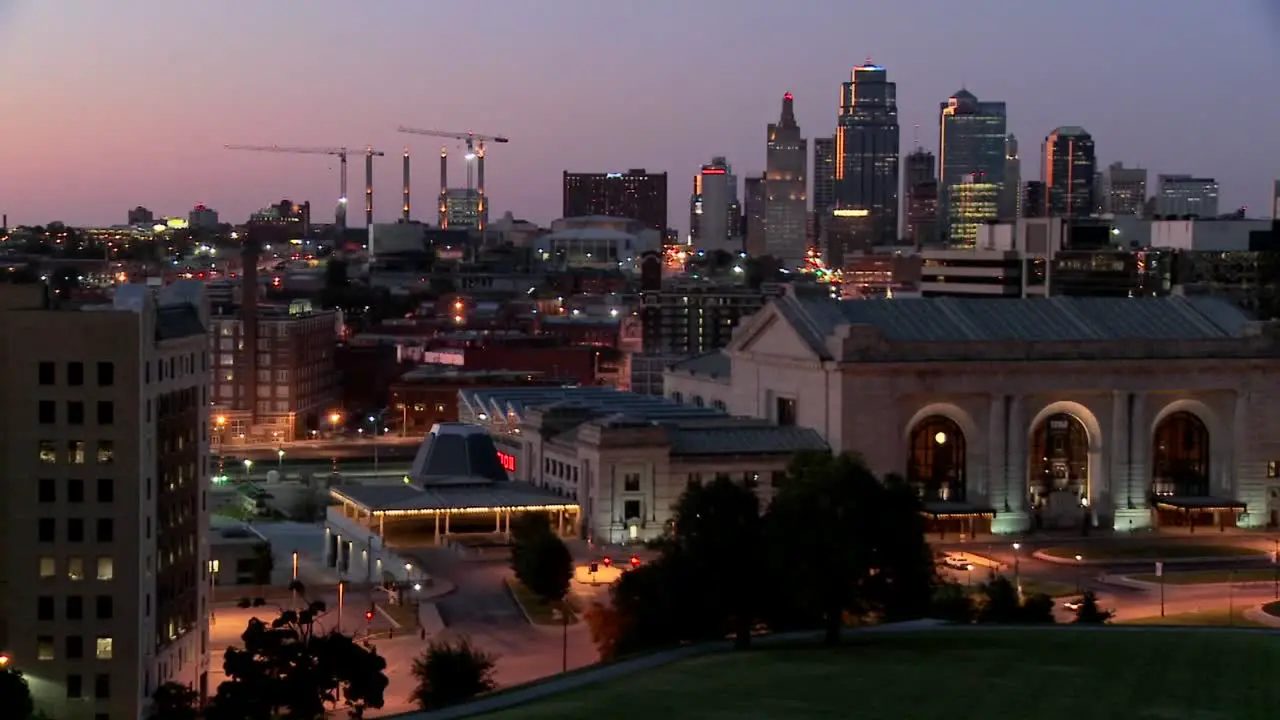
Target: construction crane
{"x":340,"y":216}
{"x":475,"y":151}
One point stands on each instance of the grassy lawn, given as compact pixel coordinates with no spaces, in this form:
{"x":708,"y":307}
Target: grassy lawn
{"x":1212,"y":618}
{"x":538,"y":610}
{"x":1041,"y":674}
{"x":1048,"y":587}
{"x":1147,"y":551}
{"x":1201,"y":577}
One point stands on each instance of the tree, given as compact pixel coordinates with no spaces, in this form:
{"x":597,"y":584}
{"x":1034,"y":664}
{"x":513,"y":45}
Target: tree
{"x":1002,"y":606}
{"x":15,"y":695}
{"x":1089,"y":613}
{"x":843,"y":543}
{"x":451,"y":672}
{"x":287,"y":668}
{"x":544,"y":565}
{"x":952,"y":602}
{"x":174,"y":701}
{"x":607,"y":628}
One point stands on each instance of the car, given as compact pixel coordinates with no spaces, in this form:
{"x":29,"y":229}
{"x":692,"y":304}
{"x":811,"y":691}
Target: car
{"x":1072,"y":605}
{"x":957,"y":562}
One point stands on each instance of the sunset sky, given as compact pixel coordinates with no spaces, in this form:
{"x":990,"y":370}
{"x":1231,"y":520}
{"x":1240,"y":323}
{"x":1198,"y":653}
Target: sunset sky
{"x":108,"y":104}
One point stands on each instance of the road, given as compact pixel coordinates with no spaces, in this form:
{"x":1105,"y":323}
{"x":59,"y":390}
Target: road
{"x":313,"y":452}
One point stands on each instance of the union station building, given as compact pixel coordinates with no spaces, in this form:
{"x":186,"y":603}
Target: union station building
{"x":1010,"y":415}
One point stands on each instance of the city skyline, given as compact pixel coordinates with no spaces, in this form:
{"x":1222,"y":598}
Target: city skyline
{"x":105,"y":124}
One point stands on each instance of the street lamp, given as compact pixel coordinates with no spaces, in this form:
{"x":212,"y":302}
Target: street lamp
{"x":4,"y":660}
{"x":1079,"y":572}
{"x":1017,"y":580}
{"x":280,"y":457}
{"x":969,"y":568}
{"x":248,"y":469}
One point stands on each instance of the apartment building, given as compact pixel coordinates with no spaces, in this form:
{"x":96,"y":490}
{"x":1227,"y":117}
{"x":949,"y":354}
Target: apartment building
{"x":102,"y":569}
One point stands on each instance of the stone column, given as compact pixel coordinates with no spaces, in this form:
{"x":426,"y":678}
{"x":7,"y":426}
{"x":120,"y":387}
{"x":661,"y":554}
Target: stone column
{"x":993,"y":486}
{"x":1133,"y":512}
{"x":436,"y":536}
{"x":1243,"y":478}
{"x":1012,"y":518}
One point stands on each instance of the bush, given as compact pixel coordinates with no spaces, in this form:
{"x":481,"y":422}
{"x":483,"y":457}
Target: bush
{"x":1089,"y":613}
{"x":451,"y":672}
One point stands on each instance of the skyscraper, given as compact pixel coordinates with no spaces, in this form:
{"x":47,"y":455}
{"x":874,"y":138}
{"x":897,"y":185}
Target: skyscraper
{"x":922,"y":197}
{"x":1186,"y":195}
{"x":1011,"y":193}
{"x":753,"y":202}
{"x":714,"y":209}
{"x":785,"y":197}
{"x":1126,"y":190}
{"x":867,"y":151}
{"x":824,"y":176}
{"x":972,"y":137}
{"x":635,"y":194}
{"x":1068,"y":168}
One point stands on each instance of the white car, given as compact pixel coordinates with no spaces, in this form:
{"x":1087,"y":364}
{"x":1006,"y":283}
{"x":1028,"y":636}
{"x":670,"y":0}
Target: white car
{"x":1073,"y":605}
{"x":957,"y":562}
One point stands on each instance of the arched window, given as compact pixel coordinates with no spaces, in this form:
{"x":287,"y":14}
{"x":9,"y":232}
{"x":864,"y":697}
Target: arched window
{"x":1059,"y":458}
{"x":936,"y":465}
{"x":1180,"y":457}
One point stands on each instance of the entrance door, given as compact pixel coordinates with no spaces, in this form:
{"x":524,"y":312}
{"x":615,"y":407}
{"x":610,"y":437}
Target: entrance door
{"x":1059,"y":471}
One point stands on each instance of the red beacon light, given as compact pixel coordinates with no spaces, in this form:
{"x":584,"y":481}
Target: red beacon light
{"x":368,"y":615}
{"x":607,"y":562}
{"x":635,"y":561}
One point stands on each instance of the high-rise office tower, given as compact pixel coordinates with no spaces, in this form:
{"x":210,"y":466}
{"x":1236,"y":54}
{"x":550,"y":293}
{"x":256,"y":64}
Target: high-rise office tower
{"x":1126,"y":190}
{"x":104,"y":559}
{"x":753,"y":211}
{"x":1183,"y":195}
{"x":634,"y":194}
{"x":1275,"y":200}
{"x":1011,"y":193}
{"x":785,"y":197}
{"x":824,"y":178}
{"x":921,"y":197}
{"x":867,"y":150}
{"x":971,"y":162}
{"x":1068,"y":168}
{"x":1035,"y":200}
{"x":714,"y":209}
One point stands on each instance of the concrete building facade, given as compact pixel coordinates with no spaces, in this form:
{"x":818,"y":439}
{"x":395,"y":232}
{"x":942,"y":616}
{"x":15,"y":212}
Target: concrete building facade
{"x":1122,"y":413}
{"x":103,"y":575}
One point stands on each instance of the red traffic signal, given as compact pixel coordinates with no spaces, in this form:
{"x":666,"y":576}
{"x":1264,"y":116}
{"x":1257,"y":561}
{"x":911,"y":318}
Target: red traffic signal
{"x":607,"y":562}
{"x":635,"y":561}
{"x":368,"y":615}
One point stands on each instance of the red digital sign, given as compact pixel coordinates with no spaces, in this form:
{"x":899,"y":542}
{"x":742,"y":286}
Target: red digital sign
{"x":507,"y":461}
{"x":713,"y":171}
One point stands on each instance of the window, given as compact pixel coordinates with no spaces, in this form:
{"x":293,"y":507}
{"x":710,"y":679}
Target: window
{"x":106,"y":452}
{"x":786,"y":411}
{"x":75,"y":413}
{"x":105,"y":606}
{"x":48,"y":452}
{"x":102,"y":686}
{"x":102,"y":651}
{"x":106,"y":412}
{"x":75,"y":568}
{"x":75,"y":452}
{"x":631,"y":510}
{"x":48,"y":567}
{"x":106,"y":490}
{"x":75,"y":530}
{"x":48,"y":490}
{"x":75,"y":607}
{"x":106,"y":374}
{"x":73,"y":647}
{"x":631,"y":482}
{"x":106,"y":568}
{"x":75,"y":687}
{"x":44,"y":647}
{"x":106,"y":530}
{"x":44,"y":607}
{"x":48,"y":373}
{"x":48,"y":413}
{"x":75,"y":373}
{"x":47,"y":529}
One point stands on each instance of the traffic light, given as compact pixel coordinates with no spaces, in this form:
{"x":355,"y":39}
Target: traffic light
{"x":368,"y":615}
{"x":635,"y":561}
{"x":608,"y":562}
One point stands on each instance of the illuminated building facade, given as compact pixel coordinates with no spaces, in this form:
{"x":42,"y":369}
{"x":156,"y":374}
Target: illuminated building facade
{"x":866,"y":152}
{"x":786,"y":209}
{"x":824,"y":180}
{"x":1069,"y":170}
{"x":1126,"y":190}
{"x":635,"y":194}
{"x":714,"y":211}
{"x":753,"y":210}
{"x":922,"y":198}
{"x":1011,"y":193}
{"x":1183,"y":195}
{"x":461,"y":208}
{"x":972,"y":138}
{"x":972,"y":202}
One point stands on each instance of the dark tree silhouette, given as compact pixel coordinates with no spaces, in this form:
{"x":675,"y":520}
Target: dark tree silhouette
{"x":451,"y":672}
{"x":174,"y":701}
{"x":15,"y":695}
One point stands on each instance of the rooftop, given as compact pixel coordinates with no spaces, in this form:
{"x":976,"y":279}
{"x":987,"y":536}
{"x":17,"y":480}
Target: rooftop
{"x":494,"y":402}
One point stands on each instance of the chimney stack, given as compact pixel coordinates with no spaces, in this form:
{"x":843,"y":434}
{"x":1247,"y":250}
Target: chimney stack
{"x":405,"y":208}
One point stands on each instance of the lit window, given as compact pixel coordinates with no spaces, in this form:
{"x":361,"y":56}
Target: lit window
{"x":106,"y":568}
{"x":106,"y":452}
{"x":75,"y":452}
{"x":48,"y":451}
{"x":44,"y":647}
{"x":75,"y":568}
{"x":103,"y":651}
{"x":48,"y":567}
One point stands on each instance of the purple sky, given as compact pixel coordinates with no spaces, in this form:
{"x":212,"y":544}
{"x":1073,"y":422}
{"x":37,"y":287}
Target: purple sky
{"x":112,"y":104}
